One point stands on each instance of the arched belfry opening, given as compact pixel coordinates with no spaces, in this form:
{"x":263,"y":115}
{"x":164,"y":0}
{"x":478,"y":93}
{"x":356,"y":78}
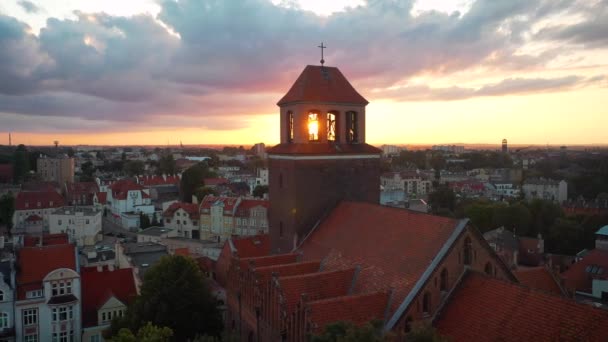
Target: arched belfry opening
{"x":323,"y":157}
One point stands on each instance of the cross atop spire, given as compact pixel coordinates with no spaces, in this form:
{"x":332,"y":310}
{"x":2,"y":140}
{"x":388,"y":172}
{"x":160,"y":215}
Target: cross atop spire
{"x":322,"y":48}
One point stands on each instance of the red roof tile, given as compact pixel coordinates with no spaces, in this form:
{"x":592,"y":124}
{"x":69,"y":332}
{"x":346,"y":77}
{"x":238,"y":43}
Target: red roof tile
{"x":323,"y":149}
{"x":81,"y":191}
{"x":487,"y":309}
{"x":190,"y":208}
{"x":98,"y":287}
{"x":284,"y":270}
{"x":158,"y":180}
{"x":322,"y":84}
{"x":33,"y":218}
{"x":102,"y":197}
{"x":229,"y":202}
{"x":253,"y":246}
{"x":244,"y":208}
{"x":268,"y":260}
{"x":30,"y":200}
{"x":538,"y":278}
{"x":121,"y":188}
{"x":183,"y":251}
{"x":399,"y":255}
{"x":47,"y":240}
{"x":358,"y":309}
{"x":578,"y":276}
{"x":36,"y":262}
{"x":315,"y":286}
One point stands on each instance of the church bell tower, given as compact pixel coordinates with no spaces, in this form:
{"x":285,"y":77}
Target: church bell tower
{"x":322,"y":158}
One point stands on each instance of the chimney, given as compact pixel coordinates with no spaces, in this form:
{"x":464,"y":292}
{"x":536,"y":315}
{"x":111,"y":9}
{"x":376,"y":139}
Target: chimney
{"x":110,"y":267}
{"x":99,"y":268}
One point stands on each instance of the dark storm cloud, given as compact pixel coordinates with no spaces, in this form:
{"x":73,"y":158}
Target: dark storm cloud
{"x":200,"y":59}
{"x":28,"y":6}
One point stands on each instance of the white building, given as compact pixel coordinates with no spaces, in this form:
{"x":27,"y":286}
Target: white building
{"x":391,"y":150}
{"x":48,"y":293}
{"x":82,"y":224}
{"x":33,"y":210}
{"x":449,"y":148}
{"x":506,"y":189}
{"x":155,"y":234}
{"x":546,"y":189}
{"x":126,"y":199}
{"x":7,"y":300}
{"x":411,"y":182}
{"x":183,"y":219}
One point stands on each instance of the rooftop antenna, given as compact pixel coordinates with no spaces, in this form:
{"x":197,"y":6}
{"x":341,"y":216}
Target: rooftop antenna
{"x":322,"y":47}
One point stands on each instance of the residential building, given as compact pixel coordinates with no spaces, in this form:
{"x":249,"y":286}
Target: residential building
{"x":106,"y":292}
{"x":251,"y":217}
{"x":33,"y":210}
{"x":505,"y":244}
{"x":47,"y":307}
{"x":411,"y":182}
{"x":531,"y":250}
{"x":546,"y":189}
{"x":162,"y":188}
{"x":260,"y":150}
{"x":139,"y":256}
{"x":217,"y":217}
{"x":7,"y":299}
{"x":391,"y":150}
{"x":82,"y":224}
{"x":449,"y":148}
{"x":184,"y":219}
{"x":81,"y":193}
{"x":126,"y":200}
{"x":199,"y":248}
{"x":508,"y":190}
{"x":56,"y":169}
{"x":155,"y":234}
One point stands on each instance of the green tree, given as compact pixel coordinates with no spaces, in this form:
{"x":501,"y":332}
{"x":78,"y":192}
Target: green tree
{"x":134,"y":167}
{"x":192,"y":179}
{"x":175,"y":294}
{"x":7,"y":209}
{"x":349,"y":332}
{"x":21,"y":164}
{"x":166,"y":165}
{"x":88,"y":170}
{"x":424,"y":332}
{"x":442,"y":198}
{"x":260,"y":190}
{"x":147,"y":333}
{"x":203,"y":191}
{"x":154,"y":220}
{"x":144,"y":221}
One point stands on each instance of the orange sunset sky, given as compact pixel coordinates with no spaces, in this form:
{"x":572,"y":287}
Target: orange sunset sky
{"x":210,"y":72}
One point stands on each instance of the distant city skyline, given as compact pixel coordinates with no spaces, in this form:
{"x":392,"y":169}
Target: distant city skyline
{"x":144,"y":72}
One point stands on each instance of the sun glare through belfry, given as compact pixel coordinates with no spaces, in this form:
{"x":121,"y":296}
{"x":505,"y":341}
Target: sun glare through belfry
{"x":313,"y":126}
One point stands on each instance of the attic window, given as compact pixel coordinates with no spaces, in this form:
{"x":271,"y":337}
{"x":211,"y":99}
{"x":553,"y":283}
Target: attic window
{"x":313,"y":126}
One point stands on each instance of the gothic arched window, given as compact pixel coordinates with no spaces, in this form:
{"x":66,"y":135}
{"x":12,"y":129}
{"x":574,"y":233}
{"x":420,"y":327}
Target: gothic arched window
{"x":332,"y":126}
{"x":313,"y":126}
{"x":290,"y":126}
{"x":426,"y":303}
{"x":352,"y":131}
{"x":488,"y":269}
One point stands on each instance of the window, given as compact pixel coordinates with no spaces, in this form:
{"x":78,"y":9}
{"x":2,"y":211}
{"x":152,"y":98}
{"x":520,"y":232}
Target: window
{"x":63,"y":336}
{"x":443,"y":283}
{"x":331,"y":127}
{"x":62,"y":288}
{"x":3,"y":320}
{"x":313,"y":126}
{"x":468,"y":255}
{"x":63,"y":313}
{"x":30,"y":338}
{"x":59,"y":222}
{"x":95,"y":338}
{"x":289,"y":126}
{"x":177,"y":221}
{"x":33,"y":294}
{"x":87,"y":221}
{"x":1,"y":296}
{"x":30,"y":317}
{"x":167,"y":220}
{"x":488,"y":269}
{"x":352,"y":128}
{"x":426,"y":303}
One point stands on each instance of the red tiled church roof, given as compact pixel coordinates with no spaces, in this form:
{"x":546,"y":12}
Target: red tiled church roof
{"x":487,"y":309}
{"x":315,"y":286}
{"x":268,"y":260}
{"x":253,"y":246}
{"x":285,"y":270}
{"x":391,"y":244}
{"x":358,"y":309}
{"x":29,"y":200}
{"x":578,"y":276}
{"x":322,"y":84}
{"x":538,"y":278}
{"x":99,"y":286}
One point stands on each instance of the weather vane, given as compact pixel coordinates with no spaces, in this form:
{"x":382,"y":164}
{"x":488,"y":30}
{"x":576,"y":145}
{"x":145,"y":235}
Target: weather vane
{"x":322,"y":47}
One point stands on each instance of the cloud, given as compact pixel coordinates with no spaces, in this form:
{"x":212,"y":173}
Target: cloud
{"x":28,"y":6}
{"x":200,"y":59}
{"x":510,"y":86}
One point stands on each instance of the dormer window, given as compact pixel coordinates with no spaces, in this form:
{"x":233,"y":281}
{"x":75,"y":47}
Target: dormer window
{"x":61,"y":288}
{"x":352,"y":132}
{"x":289,"y":126}
{"x":331,"y":127}
{"x":313,"y":126}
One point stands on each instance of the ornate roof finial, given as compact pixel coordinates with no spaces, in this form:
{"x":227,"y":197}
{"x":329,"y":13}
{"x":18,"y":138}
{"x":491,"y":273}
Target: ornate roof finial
{"x":322,"y":48}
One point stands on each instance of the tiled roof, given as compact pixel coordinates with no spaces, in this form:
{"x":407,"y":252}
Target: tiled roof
{"x":98,"y":287}
{"x":322,"y":84}
{"x":268,"y":260}
{"x":183,"y":251}
{"x":315,"y":286}
{"x":323,"y":149}
{"x":579,"y":276}
{"x":538,"y":278}
{"x":358,"y":309}
{"x":78,"y":189}
{"x":487,"y":309}
{"x":33,"y":218}
{"x":253,"y":246}
{"x":209,"y":200}
{"x":285,"y":270}
{"x":102,"y":197}
{"x":158,"y":180}
{"x":121,"y":188}
{"x":47,"y":240}
{"x":247,"y":204}
{"x":31,"y":200}
{"x":398,"y":254}
{"x":36,"y":262}
{"x":190,"y":208}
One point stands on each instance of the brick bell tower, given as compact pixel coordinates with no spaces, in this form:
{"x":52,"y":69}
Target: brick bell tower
{"x":322,"y":158}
